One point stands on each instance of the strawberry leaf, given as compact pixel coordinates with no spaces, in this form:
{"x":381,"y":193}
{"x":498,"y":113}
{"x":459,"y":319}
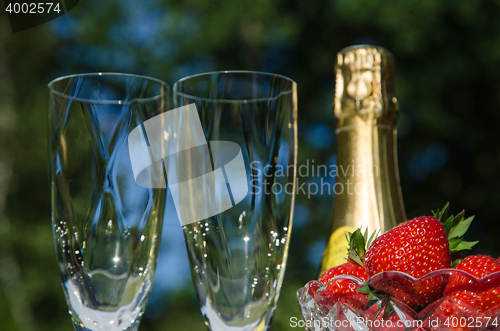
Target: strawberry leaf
{"x":440,"y":213}
{"x":372,"y":299}
{"x":359,"y":243}
{"x":348,"y":236}
{"x":357,"y":247}
{"x":389,"y":309}
{"x":355,"y":257}
{"x":465,"y":245}
{"x":455,"y":227}
{"x":369,"y":242}
{"x":461,"y":228}
{"x":448,"y":225}
{"x":365,"y":289}
{"x":460,"y":216}
{"x":454,"y":243}
{"x":457,"y":261}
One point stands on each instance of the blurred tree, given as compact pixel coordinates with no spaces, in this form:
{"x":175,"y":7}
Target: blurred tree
{"x":13,"y":304}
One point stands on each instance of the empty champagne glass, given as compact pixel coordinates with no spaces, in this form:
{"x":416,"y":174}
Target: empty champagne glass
{"x":235,"y":201}
{"x":106,"y":226}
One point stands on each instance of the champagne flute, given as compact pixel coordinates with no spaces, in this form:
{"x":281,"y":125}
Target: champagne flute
{"x":237,"y":223}
{"x":106,"y":226}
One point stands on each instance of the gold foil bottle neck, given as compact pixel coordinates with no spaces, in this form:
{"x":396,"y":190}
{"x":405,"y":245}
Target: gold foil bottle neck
{"x":368,"y":192}
{"x":365,"y":86}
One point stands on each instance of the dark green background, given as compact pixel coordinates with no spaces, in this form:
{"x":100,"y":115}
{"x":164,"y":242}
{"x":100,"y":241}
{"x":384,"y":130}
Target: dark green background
{"x":448,"y":85}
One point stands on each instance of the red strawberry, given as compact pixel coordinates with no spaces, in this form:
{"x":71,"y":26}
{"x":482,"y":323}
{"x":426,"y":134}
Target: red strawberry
{"x":444,"y":315}
{"x":343,"y":290}
{"x":475,"y":300}
{"x":416,"y":248}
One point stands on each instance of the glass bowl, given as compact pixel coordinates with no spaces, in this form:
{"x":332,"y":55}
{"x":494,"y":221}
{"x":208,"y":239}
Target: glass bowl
{"x":383,"y":311}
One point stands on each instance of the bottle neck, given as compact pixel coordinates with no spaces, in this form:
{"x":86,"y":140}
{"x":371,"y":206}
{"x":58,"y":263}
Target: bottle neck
{"x":368,"y":192}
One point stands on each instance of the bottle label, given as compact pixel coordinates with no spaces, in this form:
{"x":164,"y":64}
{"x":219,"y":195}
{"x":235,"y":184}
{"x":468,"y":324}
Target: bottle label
{"x":337,"y":248}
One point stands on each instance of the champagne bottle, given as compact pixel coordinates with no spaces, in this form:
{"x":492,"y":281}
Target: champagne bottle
{"x":367,"y":189}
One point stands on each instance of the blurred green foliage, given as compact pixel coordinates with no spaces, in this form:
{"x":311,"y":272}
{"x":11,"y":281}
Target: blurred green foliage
{"x":448,"y":74}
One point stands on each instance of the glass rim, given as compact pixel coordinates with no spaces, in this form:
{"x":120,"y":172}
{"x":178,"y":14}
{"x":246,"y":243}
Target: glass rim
{"x":262,"y":73}
{"x":50,"y":85}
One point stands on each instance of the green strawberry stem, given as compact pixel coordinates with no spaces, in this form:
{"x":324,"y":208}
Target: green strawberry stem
{"x":455,"y":227}
{"x":358,"y":243}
